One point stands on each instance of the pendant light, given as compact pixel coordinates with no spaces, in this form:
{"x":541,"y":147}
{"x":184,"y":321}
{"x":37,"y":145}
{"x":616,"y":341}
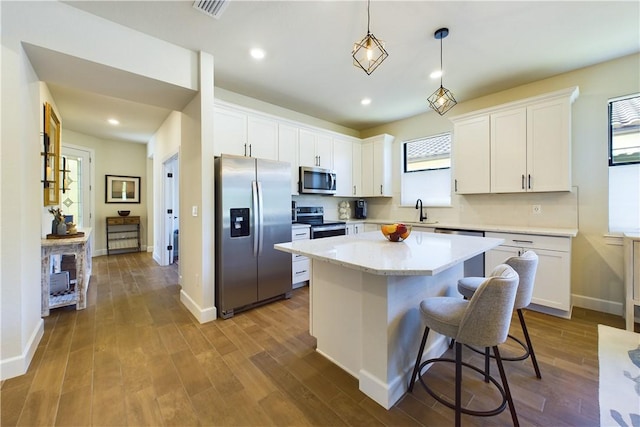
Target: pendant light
{"x":369,"y":52}
{"x":442,"y":99}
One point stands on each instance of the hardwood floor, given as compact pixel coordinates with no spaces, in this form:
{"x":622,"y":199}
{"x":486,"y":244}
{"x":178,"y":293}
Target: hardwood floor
{"x":137,"y":357}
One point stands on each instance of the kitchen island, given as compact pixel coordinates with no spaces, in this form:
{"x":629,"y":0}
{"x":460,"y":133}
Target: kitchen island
{"x":364,"y":300}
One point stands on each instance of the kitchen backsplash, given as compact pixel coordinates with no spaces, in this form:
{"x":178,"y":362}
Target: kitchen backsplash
{"x":558,"y":210}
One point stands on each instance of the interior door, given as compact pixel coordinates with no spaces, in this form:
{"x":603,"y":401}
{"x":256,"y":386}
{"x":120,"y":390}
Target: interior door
{"x":171,"y":207}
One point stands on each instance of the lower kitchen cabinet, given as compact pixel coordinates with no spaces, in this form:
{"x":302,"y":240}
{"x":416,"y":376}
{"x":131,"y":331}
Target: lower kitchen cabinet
{"x":300,"y":265}
{"x":552,"y":288}
{"x":355,"y":228}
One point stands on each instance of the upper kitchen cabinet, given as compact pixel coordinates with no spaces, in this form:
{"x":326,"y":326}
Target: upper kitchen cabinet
{"x":376,"y":166}
{"x":523,"y":146}
{"x":471,"y":160}
{"x":343,"y":165}
{"x":356,"y":169}
{"x":315,"y":149}
{"x":244,"y":134}
{"x":288,"y":152}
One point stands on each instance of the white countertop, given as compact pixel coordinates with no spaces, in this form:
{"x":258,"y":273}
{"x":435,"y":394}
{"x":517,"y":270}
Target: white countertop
{"x":422,"y":254}
{"x":542,"y":231}
{"x":632,"y":236}
{"x":298,"y":225}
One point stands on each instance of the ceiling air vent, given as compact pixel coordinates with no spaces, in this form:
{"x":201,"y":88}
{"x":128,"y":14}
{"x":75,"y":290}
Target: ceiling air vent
{"x":211,"y":7}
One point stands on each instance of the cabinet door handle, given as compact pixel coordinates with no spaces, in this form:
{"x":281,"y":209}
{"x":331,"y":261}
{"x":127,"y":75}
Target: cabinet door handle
{"x":301,"y":234}
{"x":249,"y":150}
{"x":455,"y":185}
{"x":523,"y":241}
{"x":245,"y":150}
{"x":354,"y":190}
{"x":381,"y":190}
{"x":523,"y":181}
{"x":529,"y":181}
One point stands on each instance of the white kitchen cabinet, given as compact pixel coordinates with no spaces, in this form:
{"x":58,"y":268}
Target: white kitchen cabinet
{"x":531,"y":148}
{"x":229,"y":132}
{"x":471,"y":160}
{"x":300,"y":265}
{"x":356,"y":169}
{"x":355,"y":228}
{"x":242,"y":134}
{"x":262,"y":137}
{"x":523,"y":146}
{"x":288,"y":152}
{"x":342,"y":165}
{"x":552,"y":288}
{"x":315,"y":149}
{"x":376,"y":166}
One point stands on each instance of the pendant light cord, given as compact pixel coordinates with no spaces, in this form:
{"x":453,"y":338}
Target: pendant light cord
{"x":368,"y":15}
{"x":441,"y":70}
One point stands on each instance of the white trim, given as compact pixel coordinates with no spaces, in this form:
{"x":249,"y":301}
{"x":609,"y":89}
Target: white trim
{"x":201,"y":315}
{"x":18,"y":365}
{"x":613,"y":239}
{"x":597,"y":304}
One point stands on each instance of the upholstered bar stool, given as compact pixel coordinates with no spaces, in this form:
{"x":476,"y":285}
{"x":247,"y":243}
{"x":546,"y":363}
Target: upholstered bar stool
{"x":481,"y":321}
{"x":525,"y":265}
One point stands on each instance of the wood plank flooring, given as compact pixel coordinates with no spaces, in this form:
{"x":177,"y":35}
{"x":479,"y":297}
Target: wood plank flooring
{"x":136,"y":357}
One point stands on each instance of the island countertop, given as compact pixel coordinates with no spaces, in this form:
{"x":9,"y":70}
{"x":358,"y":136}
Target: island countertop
{"x":422,"y":254}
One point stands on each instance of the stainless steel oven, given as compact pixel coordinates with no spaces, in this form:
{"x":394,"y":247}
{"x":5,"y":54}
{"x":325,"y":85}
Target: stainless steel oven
{"x":314,"y":216}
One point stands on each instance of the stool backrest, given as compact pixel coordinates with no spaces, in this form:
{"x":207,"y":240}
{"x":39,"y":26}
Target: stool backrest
{"x":487,"y":318}
{"x":525,"y":265}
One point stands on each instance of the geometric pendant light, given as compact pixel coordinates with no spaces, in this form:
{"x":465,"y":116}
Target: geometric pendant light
{"x":369,"y":52}
{"x":442,"y":99}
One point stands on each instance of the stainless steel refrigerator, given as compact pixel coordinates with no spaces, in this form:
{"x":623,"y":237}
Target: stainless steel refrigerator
{"x":253,"y":212}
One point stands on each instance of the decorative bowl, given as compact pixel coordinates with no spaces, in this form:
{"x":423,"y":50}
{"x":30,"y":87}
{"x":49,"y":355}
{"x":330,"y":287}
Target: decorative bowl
{"x":396,"y":232}
{"x":124,"y":213}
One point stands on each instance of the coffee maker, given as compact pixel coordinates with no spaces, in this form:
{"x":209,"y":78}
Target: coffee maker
{"x":361,"y":209}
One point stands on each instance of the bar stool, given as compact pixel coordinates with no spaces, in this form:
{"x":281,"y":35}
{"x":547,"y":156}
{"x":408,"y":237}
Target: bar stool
{"x":481,"y":321}
{"x":525,"y":265}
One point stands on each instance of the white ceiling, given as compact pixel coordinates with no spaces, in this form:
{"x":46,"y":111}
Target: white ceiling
{"x":492,"y":46}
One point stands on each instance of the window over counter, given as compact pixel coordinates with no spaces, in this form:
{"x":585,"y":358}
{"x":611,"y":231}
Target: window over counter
{"x":427,"y":170}
{"x":624,"y":164}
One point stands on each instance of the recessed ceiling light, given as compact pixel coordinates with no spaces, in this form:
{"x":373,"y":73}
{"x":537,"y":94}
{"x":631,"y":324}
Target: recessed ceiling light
{"x":436,"y":74}
{"x":257,"y":53}
{"x":365,"y":101}
{"x":113,"y":122}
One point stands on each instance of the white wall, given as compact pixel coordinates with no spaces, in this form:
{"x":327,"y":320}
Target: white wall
{"x":62,"y":28}
{"x":164,"y":145}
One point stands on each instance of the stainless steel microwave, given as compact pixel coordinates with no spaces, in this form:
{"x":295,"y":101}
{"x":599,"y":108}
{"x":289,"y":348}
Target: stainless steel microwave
{"x":315,"y":180}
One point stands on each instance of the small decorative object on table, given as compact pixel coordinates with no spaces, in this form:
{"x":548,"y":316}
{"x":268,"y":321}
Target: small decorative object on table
{"x":344,"y":210}
{"x":124,"y":213}
{"x":58,"y":225}
{"x":396,"y":232}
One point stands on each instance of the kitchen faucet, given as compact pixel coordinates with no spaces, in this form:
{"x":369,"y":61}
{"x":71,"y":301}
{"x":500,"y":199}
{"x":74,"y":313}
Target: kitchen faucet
{"x":419,"y":206}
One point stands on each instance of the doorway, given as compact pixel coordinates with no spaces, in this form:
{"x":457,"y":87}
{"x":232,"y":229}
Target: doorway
{"x":171,"y":232}
{"x":76,"y":192}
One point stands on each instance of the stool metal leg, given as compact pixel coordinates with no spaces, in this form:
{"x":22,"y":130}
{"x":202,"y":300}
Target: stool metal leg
{"x":505,"y":385}
{"x":458,"y":384}
{"x":529,"y":345}
{"x":487,"y":356}
{"x":416,"y":368}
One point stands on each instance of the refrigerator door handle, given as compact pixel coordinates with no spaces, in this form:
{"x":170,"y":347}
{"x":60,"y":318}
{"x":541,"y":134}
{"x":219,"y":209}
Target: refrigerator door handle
{"x":256,"y":210}
{"x":260,"y":218}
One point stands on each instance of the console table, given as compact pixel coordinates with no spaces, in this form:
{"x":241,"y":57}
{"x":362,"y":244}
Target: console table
{"x":123,"y":234}
{"x":80,"y":247}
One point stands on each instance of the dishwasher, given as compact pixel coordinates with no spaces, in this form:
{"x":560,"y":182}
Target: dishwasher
{"x":473,"y":267}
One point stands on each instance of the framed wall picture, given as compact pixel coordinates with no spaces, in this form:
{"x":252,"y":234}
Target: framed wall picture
{"x":122,"y":189}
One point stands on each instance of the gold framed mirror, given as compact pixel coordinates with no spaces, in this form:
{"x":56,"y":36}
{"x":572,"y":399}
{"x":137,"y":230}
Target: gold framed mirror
{"x":51,"y":156}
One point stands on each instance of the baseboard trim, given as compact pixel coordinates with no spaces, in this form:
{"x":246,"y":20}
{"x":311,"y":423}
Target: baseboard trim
{"x":597,"y":304}
{"x":202,"y":315}
{"x":18,"y":365}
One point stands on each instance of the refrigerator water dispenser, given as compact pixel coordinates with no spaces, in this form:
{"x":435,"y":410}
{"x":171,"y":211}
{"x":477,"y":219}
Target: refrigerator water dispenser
{"x":239,"y":222}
